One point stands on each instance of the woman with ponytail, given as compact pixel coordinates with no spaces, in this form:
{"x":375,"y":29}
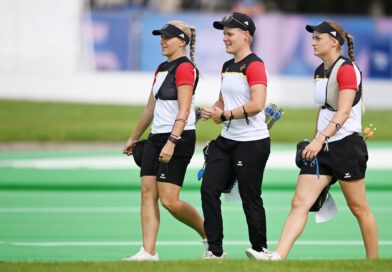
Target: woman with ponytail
{"x":171,"y":143}
{"x":339,"y":148}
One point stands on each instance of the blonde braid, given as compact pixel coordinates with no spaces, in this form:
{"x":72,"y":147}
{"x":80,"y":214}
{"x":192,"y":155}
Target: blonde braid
{"x":192,"y":44}
{"x":350,"y":46}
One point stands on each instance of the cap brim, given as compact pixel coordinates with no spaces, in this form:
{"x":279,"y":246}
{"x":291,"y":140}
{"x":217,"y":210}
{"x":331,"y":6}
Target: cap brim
{"x":218,"y":25}
{"x":310,"y":28}
{"x":319,"y":28}
{"x":164,"y":33}
{"x":221,"y":25}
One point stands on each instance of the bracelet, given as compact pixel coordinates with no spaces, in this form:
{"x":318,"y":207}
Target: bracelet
{"x":223,"y":117}
{"x":180,"y":120}
{"x":175,"y":136}
{"x":337,"y":125}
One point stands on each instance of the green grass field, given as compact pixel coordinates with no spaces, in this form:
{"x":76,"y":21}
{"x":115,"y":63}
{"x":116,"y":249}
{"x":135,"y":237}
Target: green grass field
{"x":80,"y":219}
{"x":202,"y":266}
{"x":23,"y":121}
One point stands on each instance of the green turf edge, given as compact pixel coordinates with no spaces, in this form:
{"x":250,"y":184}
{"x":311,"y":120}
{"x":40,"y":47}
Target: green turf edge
{"x":203,"y":265}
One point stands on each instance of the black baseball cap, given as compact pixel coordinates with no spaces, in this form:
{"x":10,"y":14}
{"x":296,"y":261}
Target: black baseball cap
{"x":171,"y":31}
{"x":237,"y":20}
{"x":324,"y":27}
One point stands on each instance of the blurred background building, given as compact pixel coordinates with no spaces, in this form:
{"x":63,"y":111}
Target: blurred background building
{"x":82,"y":47}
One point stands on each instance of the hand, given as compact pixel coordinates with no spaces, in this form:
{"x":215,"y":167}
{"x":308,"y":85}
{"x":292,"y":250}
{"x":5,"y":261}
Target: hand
{"x":312,"y":149}
{"x":129,"y":146}
{"x":206,"y":113}
{"x":216,"y":114}
{"x":167,"y":152}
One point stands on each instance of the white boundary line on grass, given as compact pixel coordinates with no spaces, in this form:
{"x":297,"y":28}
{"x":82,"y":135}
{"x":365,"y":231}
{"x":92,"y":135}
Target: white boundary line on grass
{"x":186,"y":243}
{"x":280,"y":159}
{"x":137,"y":209}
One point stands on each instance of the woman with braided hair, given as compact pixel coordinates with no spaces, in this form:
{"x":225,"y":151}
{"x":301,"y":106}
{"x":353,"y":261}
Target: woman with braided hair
{"x":340,"y":150}
{"x":171,"y":143}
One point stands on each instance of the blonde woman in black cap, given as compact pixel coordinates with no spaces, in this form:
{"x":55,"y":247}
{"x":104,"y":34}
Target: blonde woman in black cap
{"x":171,"y":143}
{"x":242,"y":149}
{"x":340,"y":150}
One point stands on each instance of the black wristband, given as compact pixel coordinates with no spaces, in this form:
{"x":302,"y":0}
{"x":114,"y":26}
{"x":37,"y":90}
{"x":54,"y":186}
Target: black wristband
{"x":222,"y":116}
{"x":173,"y":139}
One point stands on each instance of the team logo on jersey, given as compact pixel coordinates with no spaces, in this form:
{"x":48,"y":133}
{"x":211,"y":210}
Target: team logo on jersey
{"x":243,"y":66}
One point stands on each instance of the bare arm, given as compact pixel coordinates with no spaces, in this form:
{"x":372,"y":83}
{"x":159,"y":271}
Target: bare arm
{"x":143,"y":123}
{"x":315,"y":129}
{"x":185,"y":93}
{"x":345,"y":102}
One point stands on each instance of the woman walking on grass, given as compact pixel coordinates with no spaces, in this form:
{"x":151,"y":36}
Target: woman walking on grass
{"x":171,"y":144}
{"x":340,"y":150}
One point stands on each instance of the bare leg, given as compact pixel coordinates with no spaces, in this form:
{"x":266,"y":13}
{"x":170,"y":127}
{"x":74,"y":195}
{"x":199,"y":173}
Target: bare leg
{"x":355,"y":194}
{"x":307,"y":191}
{"x":149,"y":213}
{"x":169,"y":195}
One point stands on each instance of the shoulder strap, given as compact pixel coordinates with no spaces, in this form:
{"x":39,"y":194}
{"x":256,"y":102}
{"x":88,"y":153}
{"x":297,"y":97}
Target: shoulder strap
{"x":170,"y":92}
{"x":331,"y":99}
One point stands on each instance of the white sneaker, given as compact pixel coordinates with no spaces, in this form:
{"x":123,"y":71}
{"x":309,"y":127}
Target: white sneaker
{"x":258,"y":255}
{"x":274,"y":256}
{"x":142,"y":255}
{"x":264,"y":255}
{"x":208,"y":255}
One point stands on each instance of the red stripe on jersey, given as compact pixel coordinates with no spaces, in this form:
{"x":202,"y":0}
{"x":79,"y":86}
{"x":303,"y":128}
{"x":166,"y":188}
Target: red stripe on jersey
{"x":346,"y":77}
{"x":185,"y":74}
{"x":256,"y":73}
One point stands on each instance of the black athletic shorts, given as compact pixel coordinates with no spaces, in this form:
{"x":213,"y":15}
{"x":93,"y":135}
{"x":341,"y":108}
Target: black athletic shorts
{"x":174,"y":171}
{"x":345,"y":160}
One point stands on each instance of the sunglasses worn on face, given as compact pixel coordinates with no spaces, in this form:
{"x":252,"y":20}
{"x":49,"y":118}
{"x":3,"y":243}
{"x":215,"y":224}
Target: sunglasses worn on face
{"x":229,"y":18}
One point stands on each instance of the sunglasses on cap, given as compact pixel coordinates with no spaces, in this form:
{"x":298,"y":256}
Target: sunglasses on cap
{"x":230,"y":18}
{"x":170,"y":31}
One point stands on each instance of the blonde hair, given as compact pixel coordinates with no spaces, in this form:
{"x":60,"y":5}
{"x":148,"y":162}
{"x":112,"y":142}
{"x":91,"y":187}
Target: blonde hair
{"x":190,"y":31}
{"x":348,"y":37}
